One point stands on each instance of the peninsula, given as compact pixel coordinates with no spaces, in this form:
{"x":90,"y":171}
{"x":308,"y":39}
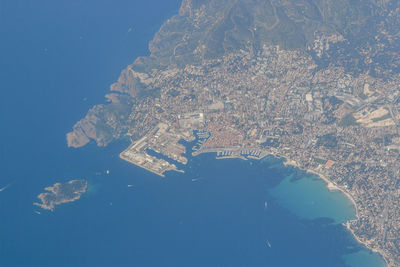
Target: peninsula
{"x":61,"y":193}
{"x":316,"y":82}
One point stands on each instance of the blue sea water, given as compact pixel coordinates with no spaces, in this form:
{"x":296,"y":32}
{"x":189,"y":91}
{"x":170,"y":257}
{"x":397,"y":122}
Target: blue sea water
{"x":57,"y":59}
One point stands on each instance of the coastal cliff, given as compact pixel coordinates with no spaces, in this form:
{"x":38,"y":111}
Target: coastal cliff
{"x":103,"y":123}
{"x":87,"y":129}
{"x":315,"y":82}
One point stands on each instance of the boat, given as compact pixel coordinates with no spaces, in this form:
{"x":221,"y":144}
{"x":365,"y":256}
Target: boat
{"x":269,"y":244}
{"x":266,"y":204}
{"x":5,"y":187}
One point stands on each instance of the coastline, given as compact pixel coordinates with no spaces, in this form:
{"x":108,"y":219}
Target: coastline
{"x":147,"y":160}
{"x":186,"y":8}
{"x":334,"y":187}
{"x":287,"y":162}
{"x":329,"y":184}
{"x":54,"y":193}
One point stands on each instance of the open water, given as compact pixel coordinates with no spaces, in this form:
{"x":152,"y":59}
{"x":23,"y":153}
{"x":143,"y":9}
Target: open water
{"x":57,"y":59}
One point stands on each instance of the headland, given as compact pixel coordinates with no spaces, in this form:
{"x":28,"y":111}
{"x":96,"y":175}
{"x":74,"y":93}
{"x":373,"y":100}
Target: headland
{"x":61,"y":193}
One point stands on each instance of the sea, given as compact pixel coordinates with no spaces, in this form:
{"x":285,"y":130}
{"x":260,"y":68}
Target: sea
{"x":58,"y":59}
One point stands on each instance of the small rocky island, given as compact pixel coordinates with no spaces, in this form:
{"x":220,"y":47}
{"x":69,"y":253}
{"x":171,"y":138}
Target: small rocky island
{"x":61,"y":193}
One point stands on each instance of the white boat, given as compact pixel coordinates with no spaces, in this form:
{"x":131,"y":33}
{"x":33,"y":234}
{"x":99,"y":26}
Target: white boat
{"x":5,"y":187}
{"x":269,"y":244}
{"x":266,"y":204}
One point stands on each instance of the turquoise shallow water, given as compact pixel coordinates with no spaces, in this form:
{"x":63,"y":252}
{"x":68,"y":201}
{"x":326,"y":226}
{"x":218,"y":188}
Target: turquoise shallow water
{"x":309,"y":198}
{"x":220,"y":219}
{"x":58,"y":59}
{"x":363,"y":259}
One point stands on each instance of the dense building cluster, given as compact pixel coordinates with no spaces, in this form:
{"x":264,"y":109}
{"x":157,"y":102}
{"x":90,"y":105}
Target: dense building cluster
{"x":304,"y":83}
{"x":278,"y":102}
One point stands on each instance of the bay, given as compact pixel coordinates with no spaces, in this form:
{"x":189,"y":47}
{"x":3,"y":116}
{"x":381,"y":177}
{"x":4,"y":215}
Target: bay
{"x":58,"y":59}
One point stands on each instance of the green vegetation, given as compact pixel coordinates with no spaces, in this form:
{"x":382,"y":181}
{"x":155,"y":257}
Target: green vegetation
{"x":348,"y":120}
{"x":61,"y":193}
{"x":327,"y":140}
{"x":320,"y":161}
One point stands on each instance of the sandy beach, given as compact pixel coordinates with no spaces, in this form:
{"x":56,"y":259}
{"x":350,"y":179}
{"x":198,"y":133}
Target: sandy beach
{"x":333,"y":187}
